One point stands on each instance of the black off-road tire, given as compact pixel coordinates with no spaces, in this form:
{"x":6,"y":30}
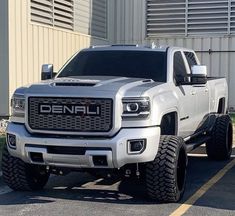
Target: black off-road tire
{"x":165,"y":176}
{"x":21,"y":176}
{"x":219,"y":147}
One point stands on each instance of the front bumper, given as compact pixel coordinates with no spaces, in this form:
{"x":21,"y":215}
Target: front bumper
{"x":114,"y":148}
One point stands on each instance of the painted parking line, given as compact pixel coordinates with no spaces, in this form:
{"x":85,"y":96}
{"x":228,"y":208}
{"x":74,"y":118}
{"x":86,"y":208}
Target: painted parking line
{"x":5,"y":190}
{"x":189,"y":203}
{"x":203,"y":155}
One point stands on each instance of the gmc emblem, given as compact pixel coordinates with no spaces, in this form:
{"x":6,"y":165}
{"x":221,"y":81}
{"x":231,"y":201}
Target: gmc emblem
{"x":80,"y":110}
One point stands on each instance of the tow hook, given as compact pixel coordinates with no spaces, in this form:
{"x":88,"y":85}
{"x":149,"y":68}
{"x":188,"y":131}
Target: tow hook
{"x":128,"y":173}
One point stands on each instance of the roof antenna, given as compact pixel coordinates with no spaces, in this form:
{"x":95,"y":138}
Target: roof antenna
{"x":153,"y":45}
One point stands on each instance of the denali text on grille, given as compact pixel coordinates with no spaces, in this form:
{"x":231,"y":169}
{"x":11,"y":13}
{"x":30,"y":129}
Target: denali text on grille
{"x":69,"y":109}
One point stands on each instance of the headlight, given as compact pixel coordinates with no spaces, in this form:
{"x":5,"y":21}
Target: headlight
{"x":136,"y":107}
{"x":18,"y":105}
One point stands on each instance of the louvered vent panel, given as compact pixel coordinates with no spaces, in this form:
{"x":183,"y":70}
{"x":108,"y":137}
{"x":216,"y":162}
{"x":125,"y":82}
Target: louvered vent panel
{"x":63,"y":14}
{"x":57,"y":13}
{"x":42,"y":11}
{"x":166,"y":17}
{"x":207,"y":17}
{"x":232,"y":16}
{"x":190,"y":17}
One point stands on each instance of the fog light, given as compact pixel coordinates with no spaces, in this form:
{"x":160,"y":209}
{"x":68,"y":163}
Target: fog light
{"x":100,"y":160}
{"x":11,"y":141}
{"x":136,"y":146}
{"x":36,"y":157}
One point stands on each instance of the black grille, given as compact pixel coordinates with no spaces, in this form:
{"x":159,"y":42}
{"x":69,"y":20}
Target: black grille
{"x":70,"y":122}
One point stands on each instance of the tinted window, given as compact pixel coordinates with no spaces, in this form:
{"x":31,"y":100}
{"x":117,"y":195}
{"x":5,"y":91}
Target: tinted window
{"x":191,"y":59}
{"x":139,"y":64}
{"x":180,"y":71}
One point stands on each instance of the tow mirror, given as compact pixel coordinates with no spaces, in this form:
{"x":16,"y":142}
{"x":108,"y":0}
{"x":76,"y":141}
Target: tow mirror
{"x":47,"y":72}
{"x":199,"y":74}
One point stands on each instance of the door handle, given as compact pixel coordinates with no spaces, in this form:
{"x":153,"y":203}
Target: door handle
{"x":193,"y":92}
{"x":206,"y":90}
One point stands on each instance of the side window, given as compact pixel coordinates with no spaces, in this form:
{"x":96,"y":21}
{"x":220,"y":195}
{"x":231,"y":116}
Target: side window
{"x":180,"y":72}
{"x":191,"y":59}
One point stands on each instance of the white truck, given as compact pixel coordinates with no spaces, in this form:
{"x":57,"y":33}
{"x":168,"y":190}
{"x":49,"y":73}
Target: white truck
{"x":129,"y":108}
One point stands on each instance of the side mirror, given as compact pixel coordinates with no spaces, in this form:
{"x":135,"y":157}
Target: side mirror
{"x":199,"y":75}
{"x":47,"y":72}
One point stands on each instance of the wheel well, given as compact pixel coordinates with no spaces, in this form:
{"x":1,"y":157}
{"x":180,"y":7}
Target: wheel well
{"x":169,"y":124}
{"x":221,"y":106}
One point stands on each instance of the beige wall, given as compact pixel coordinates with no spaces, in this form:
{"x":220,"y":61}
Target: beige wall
{"x":3,"y":58}
{"x":31,"y":45}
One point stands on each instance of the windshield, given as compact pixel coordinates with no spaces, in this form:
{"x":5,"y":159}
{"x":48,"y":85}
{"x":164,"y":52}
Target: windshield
{"x":137,"y":64}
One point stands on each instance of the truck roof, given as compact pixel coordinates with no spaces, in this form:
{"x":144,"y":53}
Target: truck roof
{"x":131,"y":47}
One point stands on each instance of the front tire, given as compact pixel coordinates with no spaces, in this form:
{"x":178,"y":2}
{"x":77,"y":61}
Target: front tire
{"x":165,"y":176}
{"x":21,"y":176}
{"x":219,"y":147}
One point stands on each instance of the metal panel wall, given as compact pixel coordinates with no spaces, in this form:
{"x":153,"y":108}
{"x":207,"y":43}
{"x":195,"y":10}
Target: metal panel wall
{"x":82,"y":11}
{"x":90,"y":17}
{"x":31,"y":45}
{"x":129,"y":21}
{"x":99,"y":18}
{"x":130,"y":25}
{"x":4,"y":76}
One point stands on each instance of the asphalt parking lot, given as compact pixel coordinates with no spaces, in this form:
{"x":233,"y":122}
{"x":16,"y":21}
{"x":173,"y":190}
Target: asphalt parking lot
{"x":81,"y":194}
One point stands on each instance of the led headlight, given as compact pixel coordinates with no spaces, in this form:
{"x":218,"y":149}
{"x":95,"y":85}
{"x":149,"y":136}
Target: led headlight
{"x":136,"y":107}
{"x":18,"y":106}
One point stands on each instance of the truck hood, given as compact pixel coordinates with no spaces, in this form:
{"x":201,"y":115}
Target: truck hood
{"x":100,"y":86}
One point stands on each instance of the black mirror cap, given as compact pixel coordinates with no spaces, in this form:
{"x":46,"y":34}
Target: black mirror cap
{"x":47,"y":72}
{"x":199,"y":79}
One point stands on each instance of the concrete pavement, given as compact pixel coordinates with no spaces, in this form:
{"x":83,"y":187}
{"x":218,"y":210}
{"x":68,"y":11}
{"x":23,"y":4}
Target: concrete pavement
{"x":81,"y":194}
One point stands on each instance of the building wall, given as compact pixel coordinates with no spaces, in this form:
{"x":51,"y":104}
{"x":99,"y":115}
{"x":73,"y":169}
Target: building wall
{"x":32,"y":44}
{"x":130,"y":24}
{"x":4,"y":58}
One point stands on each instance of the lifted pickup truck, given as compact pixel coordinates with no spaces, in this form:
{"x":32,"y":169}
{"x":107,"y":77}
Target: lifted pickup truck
{"x":134,"y":109}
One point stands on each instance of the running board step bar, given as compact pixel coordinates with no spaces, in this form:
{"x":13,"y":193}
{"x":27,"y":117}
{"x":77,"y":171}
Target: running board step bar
{"x":196,"y":142}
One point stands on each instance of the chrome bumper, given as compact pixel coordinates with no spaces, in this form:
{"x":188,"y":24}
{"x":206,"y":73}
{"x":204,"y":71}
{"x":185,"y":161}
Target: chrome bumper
{"x":114,"y":148}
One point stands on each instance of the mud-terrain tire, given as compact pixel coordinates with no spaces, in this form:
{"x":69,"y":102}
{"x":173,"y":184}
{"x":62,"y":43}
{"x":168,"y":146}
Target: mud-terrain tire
{"x":219,"y":147}
{"x":165,"y":176}
{"x":21,"y":176}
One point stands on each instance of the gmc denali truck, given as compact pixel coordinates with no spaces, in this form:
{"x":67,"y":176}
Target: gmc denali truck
{"x":124,"y":108}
